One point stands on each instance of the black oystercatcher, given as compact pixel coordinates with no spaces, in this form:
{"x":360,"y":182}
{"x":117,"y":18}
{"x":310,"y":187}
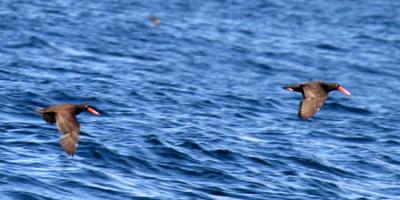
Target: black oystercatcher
{"x":314,"y":96}
{"x":64,"y":115}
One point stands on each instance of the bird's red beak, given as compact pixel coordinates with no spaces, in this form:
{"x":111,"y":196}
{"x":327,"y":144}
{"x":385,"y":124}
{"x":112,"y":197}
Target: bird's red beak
{"x":93,"y":111}
{"x":344,"y":91}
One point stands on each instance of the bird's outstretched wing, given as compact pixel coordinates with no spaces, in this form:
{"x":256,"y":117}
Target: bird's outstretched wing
{"x":69,"y":126}
{"x":309,"y":106}
{"x":313,"y":99}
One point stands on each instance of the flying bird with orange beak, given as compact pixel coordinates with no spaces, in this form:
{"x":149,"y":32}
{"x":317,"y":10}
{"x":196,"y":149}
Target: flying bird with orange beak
{"x":314,"y":95}
{"x":64,"y":115}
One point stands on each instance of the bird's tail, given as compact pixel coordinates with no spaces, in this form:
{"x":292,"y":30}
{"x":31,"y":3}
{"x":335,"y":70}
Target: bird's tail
{"x":288,"y":87}
{"x":295,"y":87}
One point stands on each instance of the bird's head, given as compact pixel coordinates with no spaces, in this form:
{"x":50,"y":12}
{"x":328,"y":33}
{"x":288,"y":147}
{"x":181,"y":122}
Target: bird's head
{"x":336,"y":86}
{"x":87,"y":108}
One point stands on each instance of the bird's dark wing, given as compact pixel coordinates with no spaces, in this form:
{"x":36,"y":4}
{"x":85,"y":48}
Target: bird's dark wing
{"x":309,"y":106}
{"x":69,"y":126}
{"x":313,"y":99}
{"x":49,"y":117}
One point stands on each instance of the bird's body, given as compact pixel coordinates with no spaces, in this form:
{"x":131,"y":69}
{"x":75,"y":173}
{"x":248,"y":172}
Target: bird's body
{"x":314,"y":95}
{"x":64,"y":115}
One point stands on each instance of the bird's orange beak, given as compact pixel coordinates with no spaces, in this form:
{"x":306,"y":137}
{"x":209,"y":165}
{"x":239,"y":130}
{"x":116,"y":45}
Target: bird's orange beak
{"x":344,"y":91}
{"x":93,"y":111}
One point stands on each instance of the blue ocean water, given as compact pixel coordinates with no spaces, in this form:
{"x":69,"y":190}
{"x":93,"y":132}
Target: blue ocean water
{"x":193,"y":108}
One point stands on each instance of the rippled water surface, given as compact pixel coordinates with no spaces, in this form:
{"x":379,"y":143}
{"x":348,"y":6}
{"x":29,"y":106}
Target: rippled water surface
{"x":193,"y":108}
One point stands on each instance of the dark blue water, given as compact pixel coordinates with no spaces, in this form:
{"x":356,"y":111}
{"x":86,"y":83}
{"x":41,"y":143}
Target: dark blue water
{"x":193,"y":108}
